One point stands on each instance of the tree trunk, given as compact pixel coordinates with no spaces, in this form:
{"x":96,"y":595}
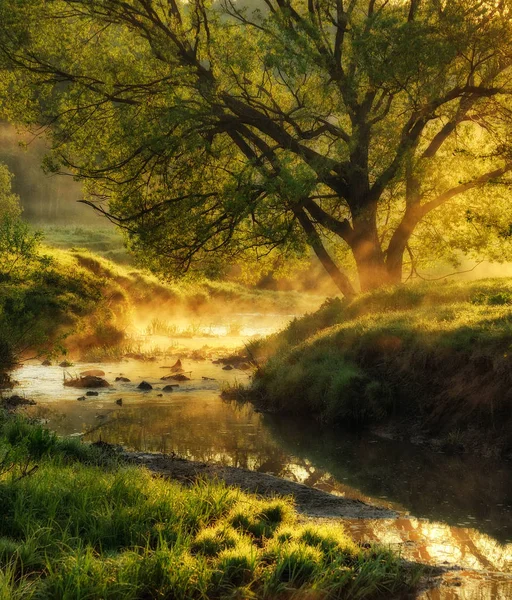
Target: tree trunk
{"x":365,"y":244}
{"x":371,"y":268}
{"x":340,"y":279}
{"x":398,"y":244}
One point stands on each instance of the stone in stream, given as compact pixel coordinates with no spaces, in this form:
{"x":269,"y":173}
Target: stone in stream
{"x":89,"y":381}
{"x":46,"y":363}
{"x":208,"y":378}
{"x":227,"y":368}
{"x":159,"y":395}
{"x":168,"y":388}
{"x":81,"y":398}
{"x":93,"y":373}
{"x":119,"y":402}
{"x":15,"y":401}
{"x":65,"y":364}
{"x":177,"y":377}
{"x":123,"y":379}
{"x":91,"y":393}
{"x":144,"y":386}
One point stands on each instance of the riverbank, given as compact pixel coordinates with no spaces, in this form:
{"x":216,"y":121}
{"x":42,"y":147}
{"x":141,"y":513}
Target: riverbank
{"x":77,"y":520}
{"x":427,"y":362}
{"x":74,"y":304}
{"x":308,"y":501}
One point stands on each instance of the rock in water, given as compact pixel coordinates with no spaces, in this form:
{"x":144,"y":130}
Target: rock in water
{"x":145,"y":386}
{"x":46,"y":363}
{"x":89,"y":381}
{"x":119,"y":402}
{"x":93,"y":373}
{"x":168,"y":388}
{"x":123,"y":379}
{"x":227,"y":368}
{"x":65,"y":364}
{"x":91,"y":393}
{"x":15,"y":401}
{"x":81,"y":398}
{"x":177,"y":377}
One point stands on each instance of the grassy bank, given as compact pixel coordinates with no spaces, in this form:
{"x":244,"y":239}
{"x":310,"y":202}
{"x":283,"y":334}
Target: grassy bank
{"x":438,"y":356}
{"x":104,"y":241}
{"x":77,"y":523}
{"x":54,"y":299}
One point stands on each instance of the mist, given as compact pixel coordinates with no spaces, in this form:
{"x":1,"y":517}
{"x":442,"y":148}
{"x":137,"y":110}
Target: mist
{"x":46,"y":199}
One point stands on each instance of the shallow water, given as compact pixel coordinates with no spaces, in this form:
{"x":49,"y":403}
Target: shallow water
{"x":456,"y":510}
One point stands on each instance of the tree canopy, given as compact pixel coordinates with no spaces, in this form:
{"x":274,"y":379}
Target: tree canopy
{"x":373,"y":131}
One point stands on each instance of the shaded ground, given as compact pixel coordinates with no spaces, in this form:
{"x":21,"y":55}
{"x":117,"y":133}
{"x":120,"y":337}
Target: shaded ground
{"x":309,"y":501}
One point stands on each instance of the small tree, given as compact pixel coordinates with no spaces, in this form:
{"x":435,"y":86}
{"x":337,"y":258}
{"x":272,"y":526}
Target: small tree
{"x":9,"y":201}
{"x":373,"y":129}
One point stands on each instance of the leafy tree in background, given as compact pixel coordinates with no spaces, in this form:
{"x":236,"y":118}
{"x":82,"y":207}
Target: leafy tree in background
{"x":9,"y":201}
{"x":373,"y":131}
{"x":19,"y":260}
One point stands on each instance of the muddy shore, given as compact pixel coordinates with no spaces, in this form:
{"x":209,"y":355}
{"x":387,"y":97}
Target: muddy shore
{"x":310,"y":502}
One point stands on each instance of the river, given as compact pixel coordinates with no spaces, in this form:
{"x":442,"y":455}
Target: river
{"x":454,"y":510}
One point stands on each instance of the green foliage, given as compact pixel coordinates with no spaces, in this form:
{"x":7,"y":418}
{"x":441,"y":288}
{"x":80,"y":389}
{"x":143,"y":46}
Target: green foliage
{"x":370,"y":137}
{"x":22,"y":273}
{"x":439,"y":353}
{"x":9,"y":201}
{"x":84,"y":525}
{"x":19,"y":251}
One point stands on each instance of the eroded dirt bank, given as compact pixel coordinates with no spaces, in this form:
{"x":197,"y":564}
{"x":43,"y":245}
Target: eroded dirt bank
{"x":309,"y":501}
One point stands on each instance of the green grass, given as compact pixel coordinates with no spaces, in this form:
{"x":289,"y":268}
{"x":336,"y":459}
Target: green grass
{"x":105,"y":242}
{"x":193,"y":296}
{"x":84,"y":303}
{"x":100,"y":250}
{"x":83,"y":525}
{"x":440,"y":354}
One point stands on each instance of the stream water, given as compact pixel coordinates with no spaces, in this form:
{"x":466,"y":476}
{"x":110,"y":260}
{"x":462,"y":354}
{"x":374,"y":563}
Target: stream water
{"x":454,"y":510}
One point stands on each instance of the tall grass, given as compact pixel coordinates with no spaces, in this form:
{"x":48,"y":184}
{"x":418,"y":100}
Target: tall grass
{"x":84,"y":525}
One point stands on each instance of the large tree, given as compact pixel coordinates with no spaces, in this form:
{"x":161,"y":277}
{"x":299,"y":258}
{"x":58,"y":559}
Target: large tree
{"x":216,"y":132}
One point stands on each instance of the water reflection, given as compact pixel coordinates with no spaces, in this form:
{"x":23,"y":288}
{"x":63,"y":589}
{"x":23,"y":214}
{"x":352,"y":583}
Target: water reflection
{"x":460,"y":490}
{"x":436,"y":543}
{"x":468,"y":585}
{"x":462,"y":505}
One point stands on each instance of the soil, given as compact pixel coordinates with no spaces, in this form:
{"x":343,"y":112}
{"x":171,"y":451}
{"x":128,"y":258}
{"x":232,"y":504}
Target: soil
{"x":308,"y":501}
